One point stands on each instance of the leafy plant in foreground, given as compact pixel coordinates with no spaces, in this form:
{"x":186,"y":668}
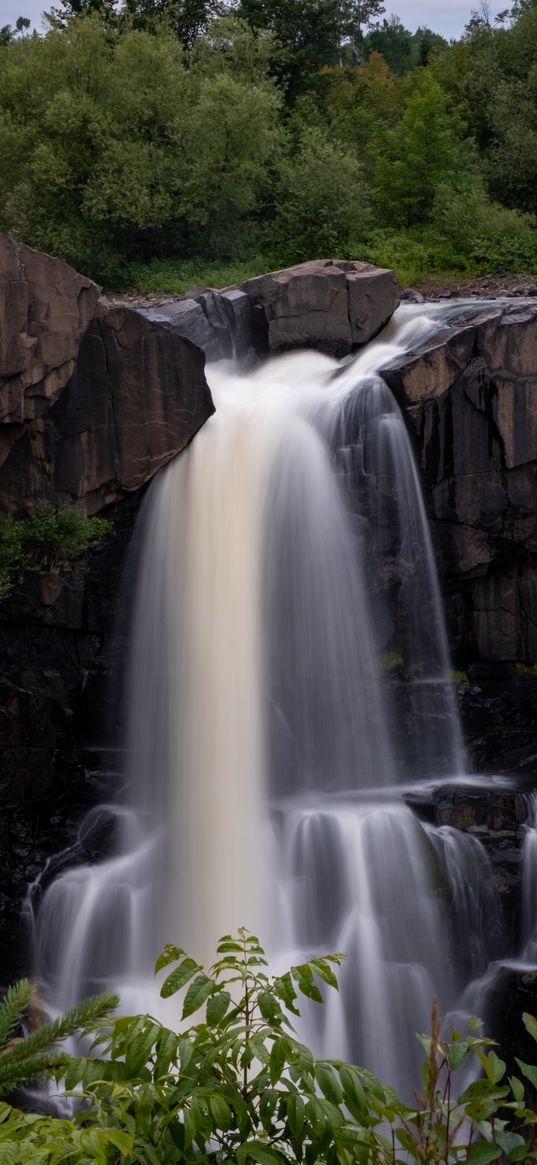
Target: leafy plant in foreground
{"x":236,"y":1086}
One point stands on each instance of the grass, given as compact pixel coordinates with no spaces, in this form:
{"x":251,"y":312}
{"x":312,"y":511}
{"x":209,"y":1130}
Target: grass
{"x":175,"y":276}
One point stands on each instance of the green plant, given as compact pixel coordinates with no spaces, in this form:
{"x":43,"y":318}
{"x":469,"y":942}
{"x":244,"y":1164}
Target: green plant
{"x":237,"y":1086}
{"x":22,"y":1057}
{"x":487,"y":1121}
{"x":526,"y":669}
{"x":48,"y":542}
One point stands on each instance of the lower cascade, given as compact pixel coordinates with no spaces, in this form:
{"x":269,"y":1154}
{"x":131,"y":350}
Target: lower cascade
{"x":286,"y":564}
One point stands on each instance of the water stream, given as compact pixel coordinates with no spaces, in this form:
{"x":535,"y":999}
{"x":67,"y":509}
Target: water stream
{"x":286,"y":561}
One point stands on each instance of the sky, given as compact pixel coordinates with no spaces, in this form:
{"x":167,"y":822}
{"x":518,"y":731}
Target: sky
{"x":447,"y":17}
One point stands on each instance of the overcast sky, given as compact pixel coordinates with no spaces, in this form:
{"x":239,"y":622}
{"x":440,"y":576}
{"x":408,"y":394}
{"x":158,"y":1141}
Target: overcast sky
{"x":445,"y":16}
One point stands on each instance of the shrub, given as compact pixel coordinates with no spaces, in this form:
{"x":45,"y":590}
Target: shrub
{"x":48,"y":542}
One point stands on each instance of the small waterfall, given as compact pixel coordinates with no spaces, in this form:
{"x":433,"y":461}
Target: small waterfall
{"x":528,"y":922}
{"x":283,"y":552}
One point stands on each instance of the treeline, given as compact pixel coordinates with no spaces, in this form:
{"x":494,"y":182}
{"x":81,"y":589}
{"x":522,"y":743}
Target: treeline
{"x":199,"y":133}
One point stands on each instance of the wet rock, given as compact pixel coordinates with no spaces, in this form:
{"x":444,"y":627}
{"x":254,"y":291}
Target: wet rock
{"x":471,"y":401}
{"x":330,"y":305}
{"x":511,"y":989}
{"x":410,"y":295}
{"x":496,"y":815}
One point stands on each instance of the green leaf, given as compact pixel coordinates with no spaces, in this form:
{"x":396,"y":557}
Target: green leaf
{"x":257,"y":1151}
{"x":284,"y":989}
{"x":170,"y":954}
{"x":353,"y":1091}
{"x":508,"y":1142}
{"x":295,"y":1113}
{"x":316,"y":1116}
{"x":166,"y":1054}
{"x":139,"y":1049}
{"x":270,"y":1008}
{"x":217,"y":1006}
{"x":328,"y":1082}
{"x":278,"y":1057}
{"x":221,"y":1112}
{"x":517,"y":1089}
{"x":457,"y":1052}
{"x":482,"y":1152}
{"x":121,"y":1140}
{"x":179,"y":977}
{"x":529,"y":1071}
{"x":494,"y":1067}
{"x":325,"y":972}
{"x":197,"y":993}
{"x":186,"y":1052}
{"x":530,"y":1023}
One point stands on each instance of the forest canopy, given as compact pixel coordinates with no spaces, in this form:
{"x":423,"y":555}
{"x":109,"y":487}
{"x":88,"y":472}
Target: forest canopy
{"x":147,"y":133}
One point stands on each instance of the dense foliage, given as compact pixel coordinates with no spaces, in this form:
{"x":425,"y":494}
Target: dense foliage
{"x":237,"y":1086}
{"x":206,"y":133}
{"x":47,"y":543}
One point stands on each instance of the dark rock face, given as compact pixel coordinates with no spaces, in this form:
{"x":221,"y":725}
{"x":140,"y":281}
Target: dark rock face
{"x":136,"y":398}
{"x":472,"y":404}
{"x":328,"y":304}
{"x":60,"y":716}
{"x":45,"y":307}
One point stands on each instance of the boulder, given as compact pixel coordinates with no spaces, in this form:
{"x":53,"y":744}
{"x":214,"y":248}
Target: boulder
{"x":45,"y":307}
{"x":222,"y":323}
{"x":328,"y":304}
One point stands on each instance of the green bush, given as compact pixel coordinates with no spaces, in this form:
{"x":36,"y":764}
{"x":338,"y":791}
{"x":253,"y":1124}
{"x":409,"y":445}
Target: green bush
{"x":479,"y":234}
{"x":48,"y":542}
{"x":237,"y":1086}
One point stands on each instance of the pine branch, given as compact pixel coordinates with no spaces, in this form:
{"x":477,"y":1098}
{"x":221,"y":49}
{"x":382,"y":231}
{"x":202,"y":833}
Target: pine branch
{"x":12,"y":1008}
{"x":15,"y":1076}
{"x":81,"y":1018}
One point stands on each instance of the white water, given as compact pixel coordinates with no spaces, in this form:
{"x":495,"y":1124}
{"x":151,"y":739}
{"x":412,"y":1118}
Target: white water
{"x":283,"y":552}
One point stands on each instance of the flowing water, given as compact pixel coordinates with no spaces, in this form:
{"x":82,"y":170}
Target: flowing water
{"x":286,"y":564}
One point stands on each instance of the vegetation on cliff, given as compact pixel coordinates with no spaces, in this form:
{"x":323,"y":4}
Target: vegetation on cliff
{"x":205,"y":133}
{"x":47,"y":543}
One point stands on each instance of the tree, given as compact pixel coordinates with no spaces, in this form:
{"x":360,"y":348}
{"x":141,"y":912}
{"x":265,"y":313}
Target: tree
{"x":9,"y":33}
{"x":322,"y":204}
{"x":354,"y":16}
{"x":394,"y":42}
{"x":187,"y":18}
{"x":425,"y":150}
{"x":115,"y":147}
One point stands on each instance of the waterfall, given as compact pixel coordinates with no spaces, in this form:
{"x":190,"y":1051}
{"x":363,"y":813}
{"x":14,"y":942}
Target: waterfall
{"x":284,"y":553}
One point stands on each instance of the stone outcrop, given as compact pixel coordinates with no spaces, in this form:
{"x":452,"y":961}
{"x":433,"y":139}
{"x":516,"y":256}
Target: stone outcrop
{"x":136,"y":397}
{"x":45,"y":307}
{"x":331,"y":305}
{"x":471,"y":399}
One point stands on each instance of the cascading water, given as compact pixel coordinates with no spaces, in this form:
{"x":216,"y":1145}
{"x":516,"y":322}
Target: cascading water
{"x":283,"y":552}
